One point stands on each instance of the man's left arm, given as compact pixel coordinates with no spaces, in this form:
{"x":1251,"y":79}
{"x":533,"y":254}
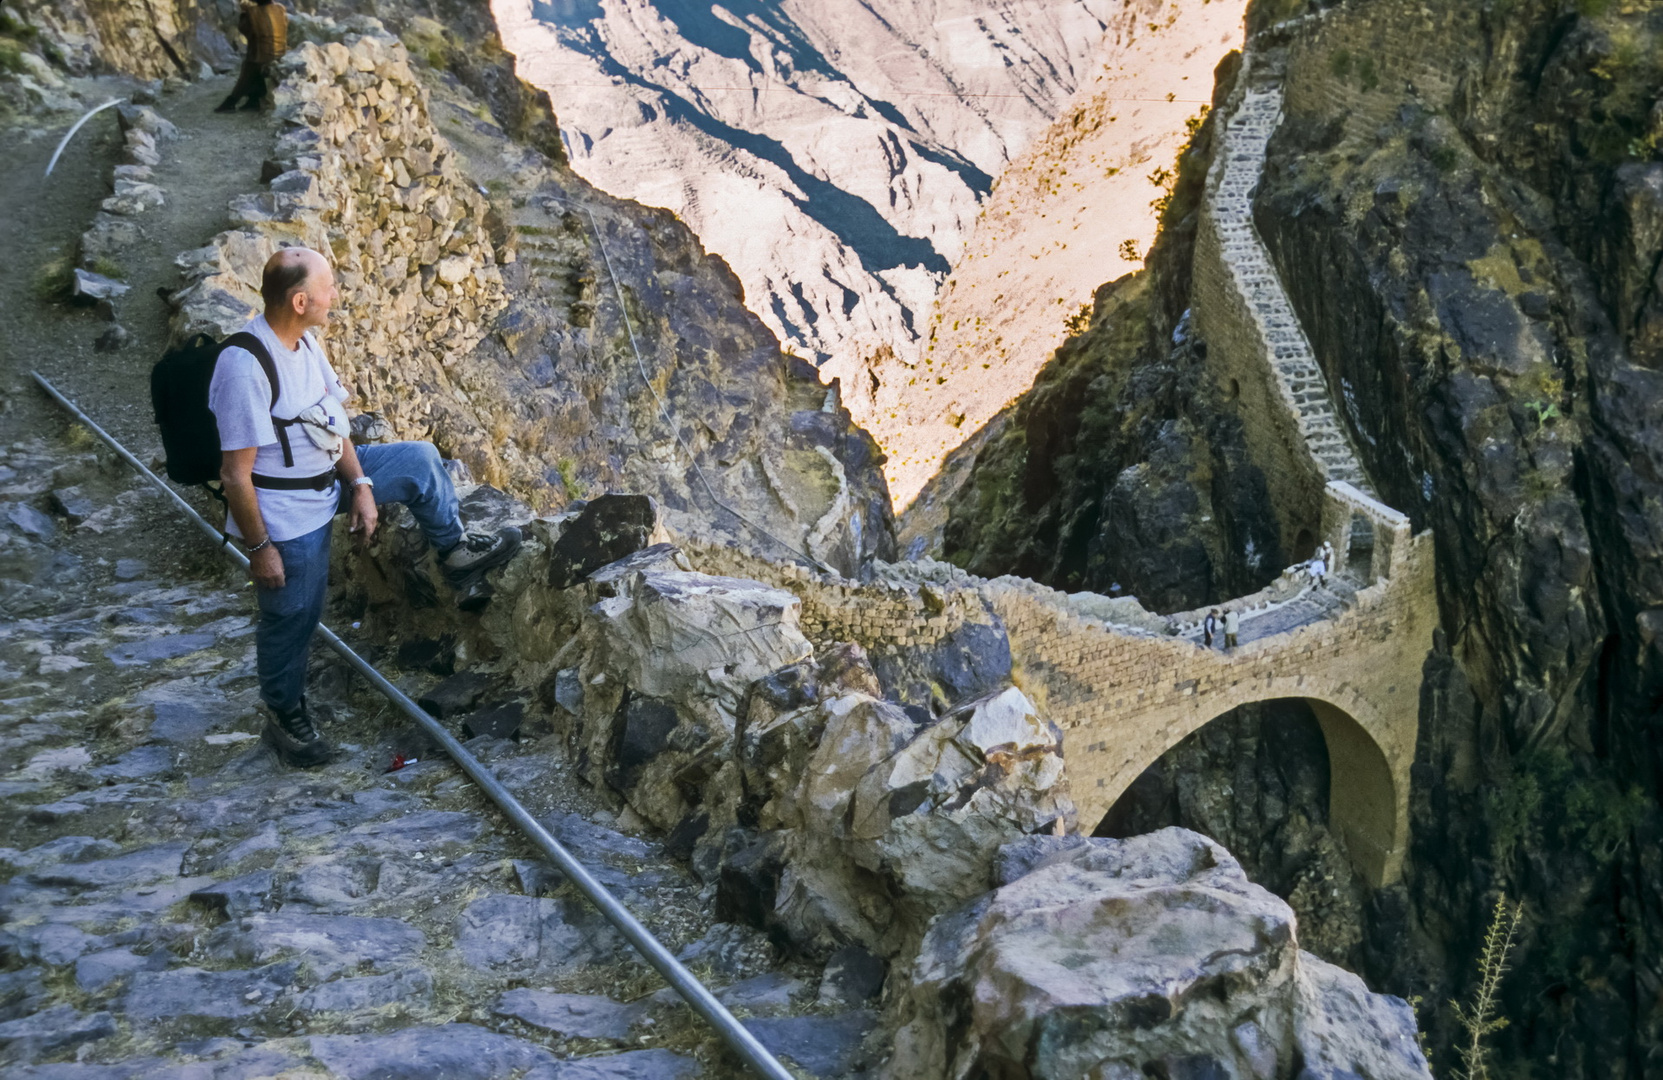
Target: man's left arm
{"x":362,"y":515}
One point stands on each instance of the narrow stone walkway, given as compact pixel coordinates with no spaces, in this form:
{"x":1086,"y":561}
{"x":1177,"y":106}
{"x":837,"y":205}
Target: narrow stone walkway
{"x":174,"y":902}
{"x":1303,"y":387}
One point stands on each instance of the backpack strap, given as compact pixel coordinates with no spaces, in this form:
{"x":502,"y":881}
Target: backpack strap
{"x":257,"y":348}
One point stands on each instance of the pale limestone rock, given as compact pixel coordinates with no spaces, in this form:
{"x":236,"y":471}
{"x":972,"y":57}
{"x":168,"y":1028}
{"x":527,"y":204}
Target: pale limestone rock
{"x":696,"y":638}
{"x":1109,"y":958}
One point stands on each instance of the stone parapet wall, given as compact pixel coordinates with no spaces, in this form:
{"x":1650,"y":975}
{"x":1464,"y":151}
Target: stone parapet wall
{"x":116,"y":227}
{"x":872,"y":614}
{"x":361,"y":173}
{"x":1256,"y":346}
{"x":1357,"y":60}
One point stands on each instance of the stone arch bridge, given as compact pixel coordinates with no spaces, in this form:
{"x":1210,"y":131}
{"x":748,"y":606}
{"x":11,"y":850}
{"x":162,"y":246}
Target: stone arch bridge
{"x":1126,"y":686}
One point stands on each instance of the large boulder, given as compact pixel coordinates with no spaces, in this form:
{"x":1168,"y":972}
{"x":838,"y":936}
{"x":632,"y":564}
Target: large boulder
{"x":878,"y":823}
{"x":934,"y":814}
{"x":667,"y":659}
{"x":609,"y":528}
{"x":1153,"y":956}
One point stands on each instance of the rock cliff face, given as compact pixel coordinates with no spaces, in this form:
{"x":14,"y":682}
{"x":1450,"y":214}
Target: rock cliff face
{"x":1124,"y":469}
{"x":152,"y":39}
{"x":614,"y":353}
{"x":1462,"y":202}
{"x":1469,"y":232}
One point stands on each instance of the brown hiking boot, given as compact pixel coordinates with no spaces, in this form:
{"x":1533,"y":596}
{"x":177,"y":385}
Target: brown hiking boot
{"x":295,"y":739}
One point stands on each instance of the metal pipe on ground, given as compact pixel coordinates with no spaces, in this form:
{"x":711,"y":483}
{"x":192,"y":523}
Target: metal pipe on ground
{"x":703,"y":1002}
{"x":70,"y":134}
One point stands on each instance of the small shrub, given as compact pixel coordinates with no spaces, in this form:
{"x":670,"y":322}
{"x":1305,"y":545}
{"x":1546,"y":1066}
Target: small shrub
{"x":1366,"y":73}
{"x":1340,"y":63}
{"x":1129,"y":251}
{"x":567,"y":468}
{"x":1079,"y":322}
{"x":13,"y":27}
{"x":109,"y":268}
{"x":1480,"y":1018}
{"x":1444,"y":158}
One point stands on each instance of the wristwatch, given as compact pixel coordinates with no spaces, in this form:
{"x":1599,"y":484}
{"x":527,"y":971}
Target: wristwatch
{"x":363,"y":481}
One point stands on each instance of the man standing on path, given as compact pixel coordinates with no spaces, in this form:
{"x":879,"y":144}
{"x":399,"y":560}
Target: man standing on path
{"x":265,"y":26}
{"x":1232,"y":625}
{"x":285,"y":479}
{"x":1209,"y":627}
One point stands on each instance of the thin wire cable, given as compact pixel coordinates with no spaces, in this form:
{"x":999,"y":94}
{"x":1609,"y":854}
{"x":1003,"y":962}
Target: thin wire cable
{"x":696,"y":994}
{"x":663,"y":406}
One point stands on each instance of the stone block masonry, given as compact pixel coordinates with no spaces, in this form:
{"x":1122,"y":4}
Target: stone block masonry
{"x":361,"y":173}
{"x":1260,"y":354}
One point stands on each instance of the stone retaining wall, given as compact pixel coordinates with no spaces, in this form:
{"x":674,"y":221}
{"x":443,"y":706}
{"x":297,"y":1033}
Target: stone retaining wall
{"x":361,"y":173}
{"x":1255,"y":344}
{"x":1337,"y":65}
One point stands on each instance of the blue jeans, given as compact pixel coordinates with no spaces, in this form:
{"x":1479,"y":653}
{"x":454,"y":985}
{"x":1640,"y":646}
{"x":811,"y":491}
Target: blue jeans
{"x":414,"y":474}
{"x":408,"y":472}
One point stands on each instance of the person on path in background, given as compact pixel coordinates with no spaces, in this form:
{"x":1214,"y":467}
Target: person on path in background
{"x":265,"y":26}
{"x":1327,"y":553}
{"x":1209,"y":627}
{"x":1318,"y":569}
{"x":1232,"y":625}
{"x":286,"y":479}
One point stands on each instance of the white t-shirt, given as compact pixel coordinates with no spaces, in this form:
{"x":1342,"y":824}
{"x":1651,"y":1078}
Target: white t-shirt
{"x":240,"y":397}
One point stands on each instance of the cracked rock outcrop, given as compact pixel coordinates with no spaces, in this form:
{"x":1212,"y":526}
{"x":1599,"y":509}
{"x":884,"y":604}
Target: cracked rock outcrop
{"x":1150,"y":956}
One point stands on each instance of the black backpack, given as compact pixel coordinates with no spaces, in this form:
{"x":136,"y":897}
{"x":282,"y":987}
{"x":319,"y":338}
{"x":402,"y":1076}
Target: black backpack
{"x":179,"y":393}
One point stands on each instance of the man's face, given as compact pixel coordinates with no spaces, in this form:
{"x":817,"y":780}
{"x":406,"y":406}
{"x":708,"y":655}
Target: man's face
{"x":319,"y":293}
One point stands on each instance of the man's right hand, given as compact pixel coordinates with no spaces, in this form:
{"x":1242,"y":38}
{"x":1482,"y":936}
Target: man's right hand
{"x":267,"y":567}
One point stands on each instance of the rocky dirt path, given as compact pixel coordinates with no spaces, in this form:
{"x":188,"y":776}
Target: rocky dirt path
{"x":172,"y":902}
{"x":173,"y":898}
{"x":213,"y":157}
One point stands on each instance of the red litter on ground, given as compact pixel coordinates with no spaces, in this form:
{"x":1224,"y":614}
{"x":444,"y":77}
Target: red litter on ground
{"x":400,"y":761}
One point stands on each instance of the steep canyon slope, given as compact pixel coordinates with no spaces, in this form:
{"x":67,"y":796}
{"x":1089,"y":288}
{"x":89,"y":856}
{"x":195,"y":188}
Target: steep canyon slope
{"x":883,"y":154}
{"x":480,"y":307}
{"x":1463,"y":202}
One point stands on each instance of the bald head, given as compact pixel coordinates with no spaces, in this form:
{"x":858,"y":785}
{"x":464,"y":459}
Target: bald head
{"x":286,"y":271}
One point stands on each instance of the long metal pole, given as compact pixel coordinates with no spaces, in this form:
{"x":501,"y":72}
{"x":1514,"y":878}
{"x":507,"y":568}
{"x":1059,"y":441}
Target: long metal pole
{"x":737,"y":1036}
{"x":70,"y":134}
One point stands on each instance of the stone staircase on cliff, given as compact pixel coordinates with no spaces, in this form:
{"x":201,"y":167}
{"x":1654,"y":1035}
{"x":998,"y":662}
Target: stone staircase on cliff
{"x":1300,"y":380}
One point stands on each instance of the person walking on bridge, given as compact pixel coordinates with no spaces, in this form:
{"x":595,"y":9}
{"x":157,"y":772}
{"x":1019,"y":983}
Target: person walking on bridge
{"x":265,"y":26}
{"x":288,"y":469}
{"x":1232,"y":625}
{"x":1209,"y":627}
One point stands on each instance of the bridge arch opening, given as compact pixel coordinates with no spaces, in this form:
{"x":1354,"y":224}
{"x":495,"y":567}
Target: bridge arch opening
{"x":1314,"y":770}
